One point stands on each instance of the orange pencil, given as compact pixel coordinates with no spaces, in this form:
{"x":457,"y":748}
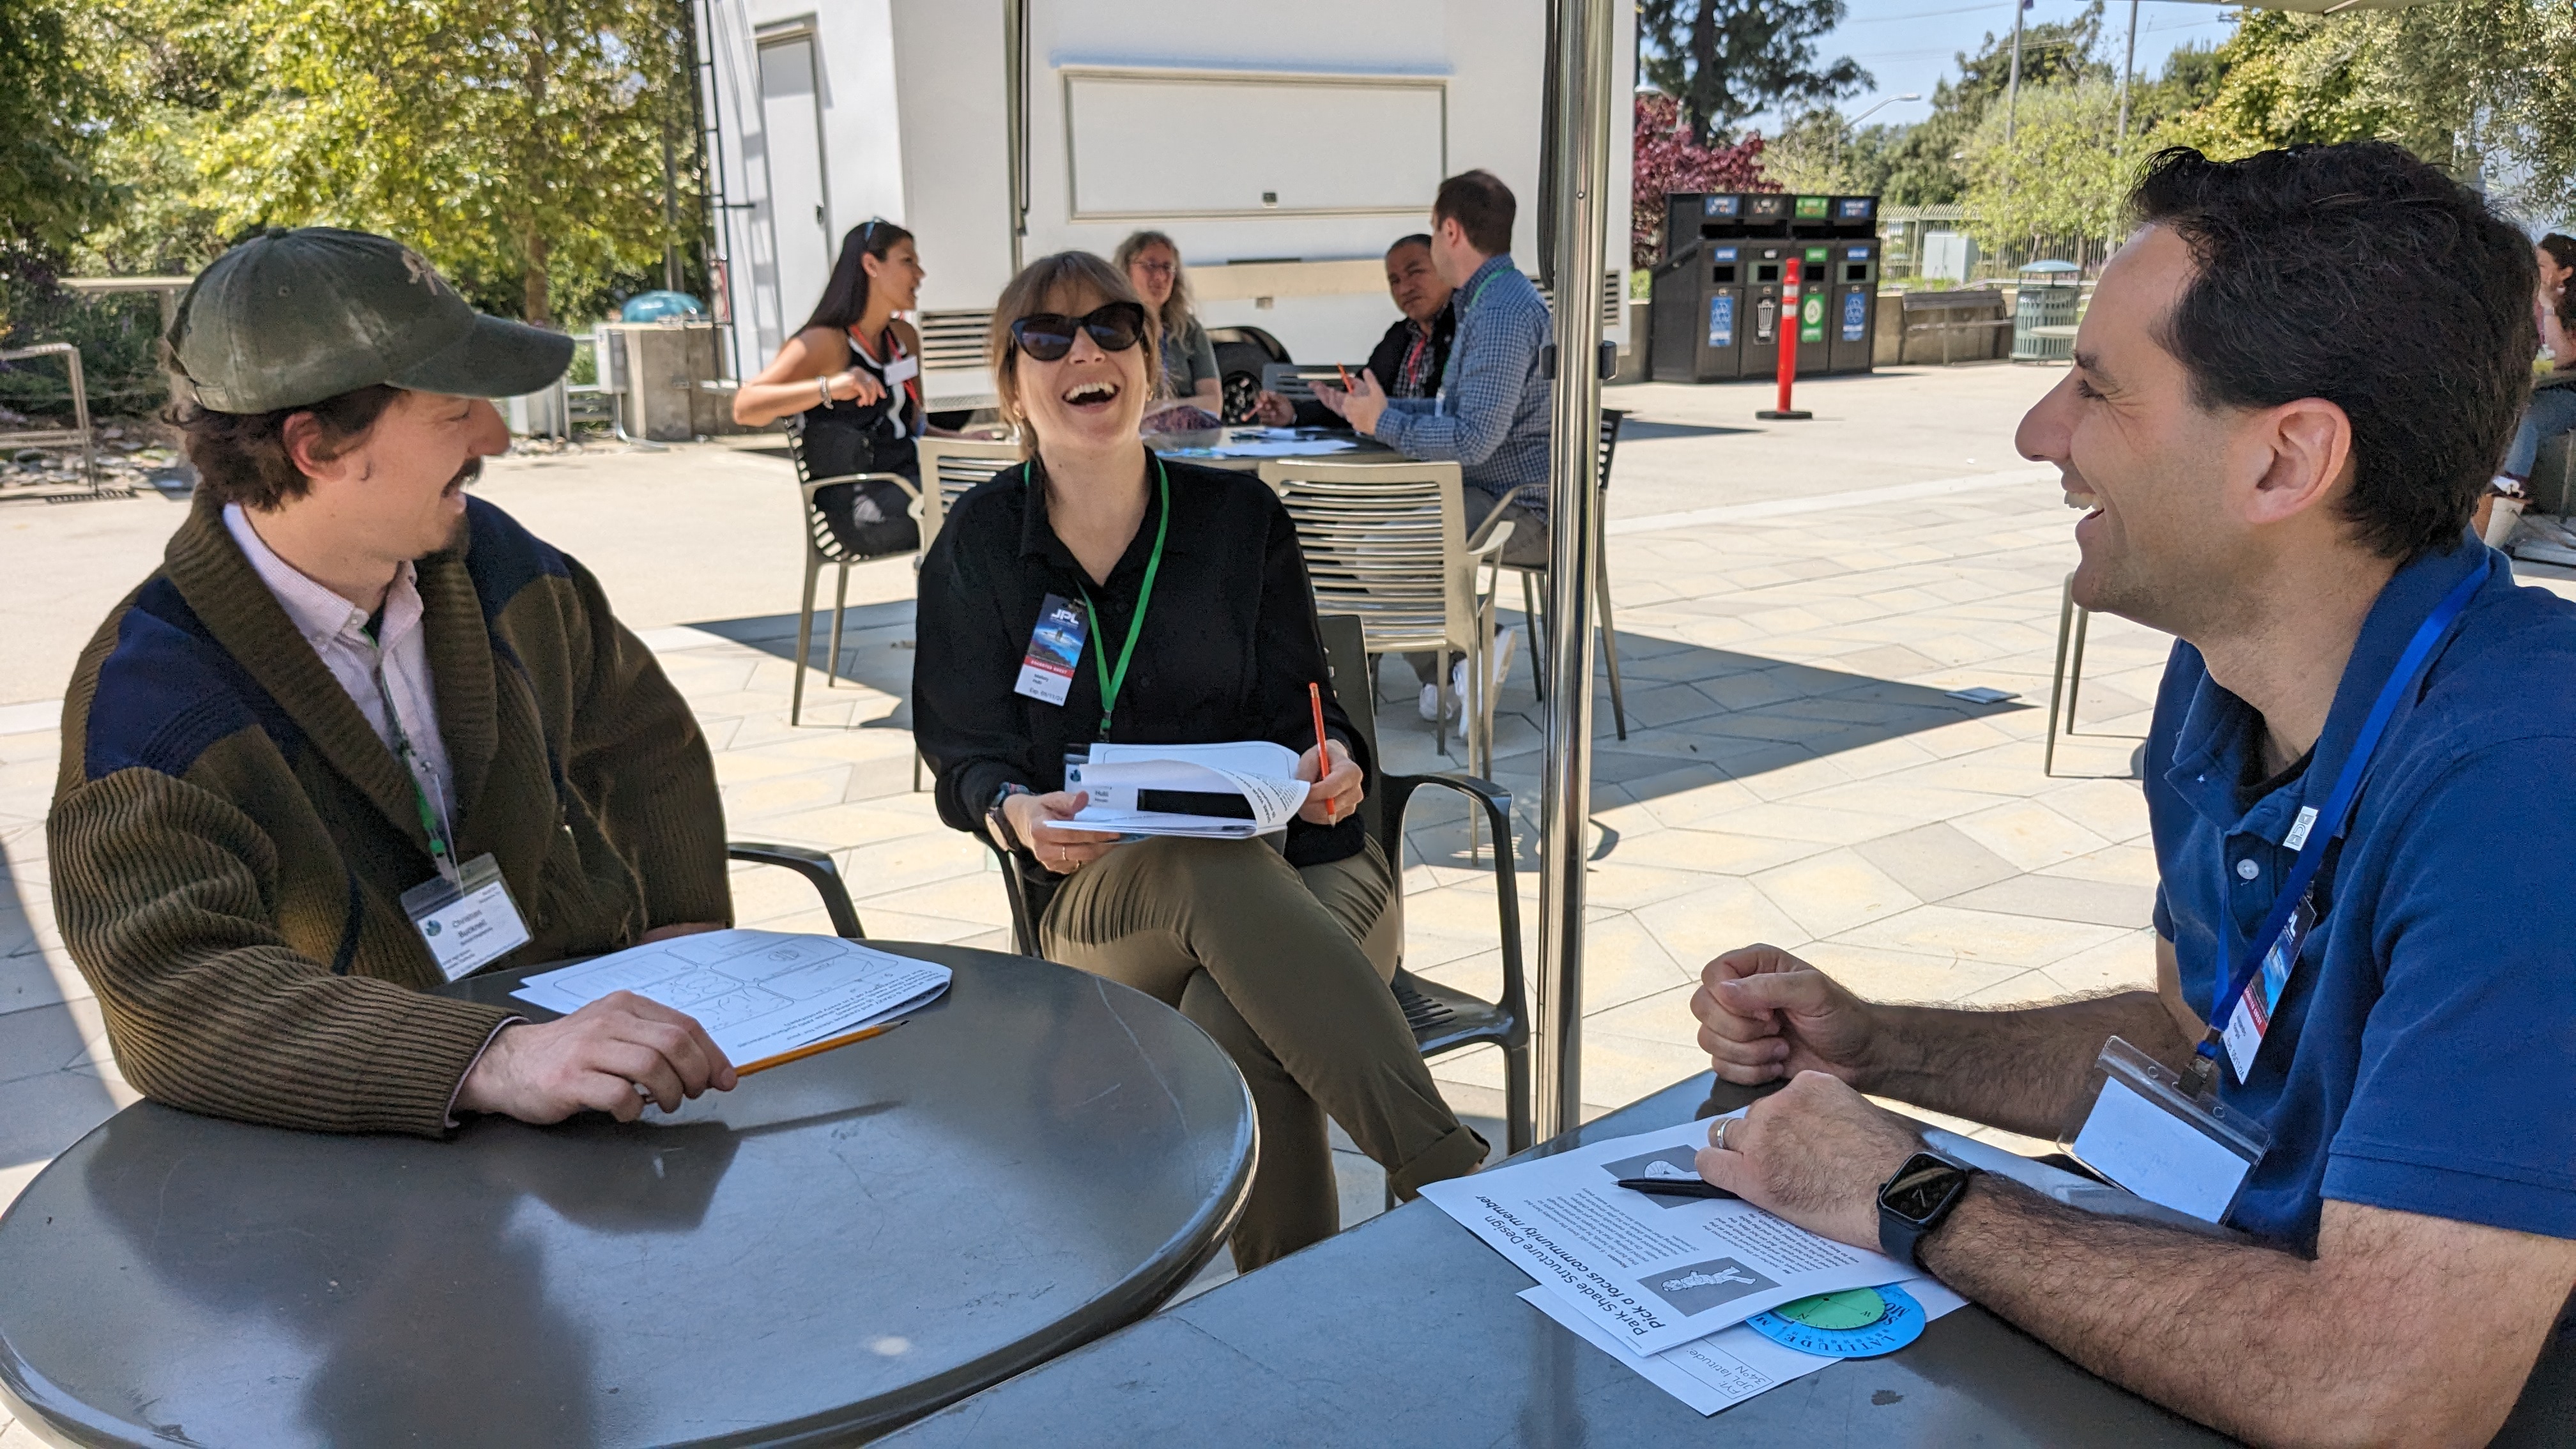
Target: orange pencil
{"x":1323,"y":757}
{"x":1346,"y":377}
{"x":783,"y":1058}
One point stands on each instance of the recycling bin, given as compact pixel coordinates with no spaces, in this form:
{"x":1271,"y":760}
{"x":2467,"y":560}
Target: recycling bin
{"x":2044,"y":310}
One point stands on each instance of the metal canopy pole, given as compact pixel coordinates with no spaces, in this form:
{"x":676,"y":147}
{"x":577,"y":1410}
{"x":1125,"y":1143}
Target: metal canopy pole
{"x":1581,"y":153}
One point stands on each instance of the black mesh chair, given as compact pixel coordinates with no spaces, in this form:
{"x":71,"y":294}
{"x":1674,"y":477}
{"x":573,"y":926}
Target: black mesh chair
{"x":1535,"y":611}
{"x":817,"y":868}
{"x":1444,"y":1019}
{"x":822,"y":546}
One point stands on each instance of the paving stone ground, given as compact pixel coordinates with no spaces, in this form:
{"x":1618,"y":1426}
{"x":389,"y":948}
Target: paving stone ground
{"x":1793,"y":603}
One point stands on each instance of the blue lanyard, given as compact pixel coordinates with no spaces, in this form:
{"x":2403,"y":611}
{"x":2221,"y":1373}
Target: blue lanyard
{"x":2330,"y":821}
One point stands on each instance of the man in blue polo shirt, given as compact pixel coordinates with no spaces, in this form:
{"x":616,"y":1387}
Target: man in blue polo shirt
{"x":2287,"y":395}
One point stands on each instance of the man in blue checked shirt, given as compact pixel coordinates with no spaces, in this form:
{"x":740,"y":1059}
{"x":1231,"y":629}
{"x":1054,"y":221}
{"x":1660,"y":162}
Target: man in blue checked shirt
{"x":1491,"y":415}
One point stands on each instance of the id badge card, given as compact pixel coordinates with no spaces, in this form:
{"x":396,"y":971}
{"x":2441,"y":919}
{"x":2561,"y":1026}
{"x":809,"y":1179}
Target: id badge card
{"x":2253,"y":1014}
{"x":470,"y":923}
{"x":2142,"y":1131}
{"x":1055,"y":646}
{"x":901,"y":371}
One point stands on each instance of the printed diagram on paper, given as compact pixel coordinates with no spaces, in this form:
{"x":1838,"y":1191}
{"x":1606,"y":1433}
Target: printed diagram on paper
{"x":1651,"y":1272}
{"x":758,"y":993}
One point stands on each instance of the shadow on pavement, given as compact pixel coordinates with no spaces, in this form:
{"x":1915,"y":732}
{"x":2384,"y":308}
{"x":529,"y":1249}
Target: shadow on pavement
{"x":44,"y":1107}
{"x":1737,"y":715}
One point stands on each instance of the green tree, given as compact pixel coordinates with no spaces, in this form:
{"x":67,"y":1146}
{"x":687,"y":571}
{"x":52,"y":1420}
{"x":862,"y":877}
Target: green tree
{"x":2486,"y":88}
{"x":517,"y":143}
{"x":1924,"y":163}
{"x":53,"y":109}
{"x":1726,"y":60}
{"x":2058,"y":177}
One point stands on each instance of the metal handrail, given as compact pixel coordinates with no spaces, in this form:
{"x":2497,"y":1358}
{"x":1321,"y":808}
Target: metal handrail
{"x":80,"y":429}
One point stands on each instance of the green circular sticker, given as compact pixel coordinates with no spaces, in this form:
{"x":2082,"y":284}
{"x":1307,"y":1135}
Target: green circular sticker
{"x":1849,"y":1309}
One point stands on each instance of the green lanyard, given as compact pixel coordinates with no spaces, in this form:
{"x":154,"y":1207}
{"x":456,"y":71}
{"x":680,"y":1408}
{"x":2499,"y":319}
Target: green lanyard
{"x":1111,"y":683}
{"x":442,"y":850}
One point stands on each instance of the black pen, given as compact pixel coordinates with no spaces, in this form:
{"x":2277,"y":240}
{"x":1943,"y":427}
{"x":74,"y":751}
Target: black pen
{"x":1674,"y":1187}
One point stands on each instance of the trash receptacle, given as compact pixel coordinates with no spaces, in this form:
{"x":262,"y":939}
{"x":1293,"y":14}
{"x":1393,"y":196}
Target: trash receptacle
{"x":2044,"y":311}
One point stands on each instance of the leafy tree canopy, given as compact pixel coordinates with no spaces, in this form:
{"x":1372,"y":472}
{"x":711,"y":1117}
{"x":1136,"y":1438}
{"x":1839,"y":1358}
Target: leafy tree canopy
{"x":1726,"y":60}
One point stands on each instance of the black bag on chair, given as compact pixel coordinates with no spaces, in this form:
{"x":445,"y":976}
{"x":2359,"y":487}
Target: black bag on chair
{"x":871,"y":518}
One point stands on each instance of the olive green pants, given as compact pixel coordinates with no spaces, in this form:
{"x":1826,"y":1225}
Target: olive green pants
{"x":1277,"y":964}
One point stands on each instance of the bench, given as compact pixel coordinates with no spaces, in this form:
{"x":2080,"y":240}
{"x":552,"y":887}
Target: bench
{"x":1941,"y":312}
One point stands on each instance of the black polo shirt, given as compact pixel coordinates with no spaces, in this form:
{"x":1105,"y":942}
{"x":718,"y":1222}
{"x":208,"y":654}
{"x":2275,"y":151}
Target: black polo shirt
{"x":1229,"y":643}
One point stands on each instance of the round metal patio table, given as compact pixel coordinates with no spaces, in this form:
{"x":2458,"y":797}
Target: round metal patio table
{"x":835,"y":1247}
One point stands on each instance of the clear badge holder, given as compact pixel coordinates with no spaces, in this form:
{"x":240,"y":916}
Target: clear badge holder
{"x":2139,"y":1128}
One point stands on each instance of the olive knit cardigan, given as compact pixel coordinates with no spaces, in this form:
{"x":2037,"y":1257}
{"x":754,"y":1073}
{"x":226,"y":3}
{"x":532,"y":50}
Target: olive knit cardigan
{"x":230,"y":839}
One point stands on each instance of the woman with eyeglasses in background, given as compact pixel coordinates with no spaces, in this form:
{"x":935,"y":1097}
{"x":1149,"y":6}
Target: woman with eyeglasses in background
{"x":1198,"y":626}
{"x":849,"y":382}
{"x":1185,"y":356}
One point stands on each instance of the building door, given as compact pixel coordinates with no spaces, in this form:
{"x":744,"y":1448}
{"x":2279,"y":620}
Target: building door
{"x":800,"y":211}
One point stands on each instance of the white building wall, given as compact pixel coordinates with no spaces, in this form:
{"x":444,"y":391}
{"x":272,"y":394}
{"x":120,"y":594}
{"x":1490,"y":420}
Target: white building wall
{"x":914,"y":105}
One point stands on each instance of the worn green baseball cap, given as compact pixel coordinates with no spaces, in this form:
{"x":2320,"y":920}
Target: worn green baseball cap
{"x":288,"y":318}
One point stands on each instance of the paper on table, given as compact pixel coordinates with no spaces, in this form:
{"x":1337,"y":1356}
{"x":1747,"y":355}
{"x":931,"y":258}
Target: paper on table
{"x":759,"y":994}
{"x":1730,"y":1365}
{"x":1280,"y":447}
{"x":1258,"y":770}
{"x":1651,"y":1271}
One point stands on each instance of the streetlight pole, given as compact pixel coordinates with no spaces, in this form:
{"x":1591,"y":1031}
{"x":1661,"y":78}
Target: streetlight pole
{"x":2012,"y":87}
{"x":1852,"y":126}
{"x":2128,"y":67}
{"x":1582,"y":172}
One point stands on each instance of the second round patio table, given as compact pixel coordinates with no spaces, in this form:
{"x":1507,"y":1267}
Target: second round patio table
{"x":835,"y":1247}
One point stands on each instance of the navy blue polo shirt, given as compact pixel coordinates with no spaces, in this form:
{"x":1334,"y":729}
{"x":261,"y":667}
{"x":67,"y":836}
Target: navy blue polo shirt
{"x":2423,"y":1057}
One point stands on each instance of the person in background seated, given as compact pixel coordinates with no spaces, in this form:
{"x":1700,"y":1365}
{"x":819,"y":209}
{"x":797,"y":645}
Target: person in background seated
{"x":1408,"y":360}
{"x":1187,"y":359}
{"x":1199,"y":627}
{"x":1491,"y":412}
{"x":351,"y":694}
{"x":2285,"y":484}
{"x":849,"y":384}
{"x":2552,"y":409}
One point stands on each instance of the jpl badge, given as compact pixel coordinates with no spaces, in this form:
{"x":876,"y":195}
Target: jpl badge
{"x":1055,"y":646}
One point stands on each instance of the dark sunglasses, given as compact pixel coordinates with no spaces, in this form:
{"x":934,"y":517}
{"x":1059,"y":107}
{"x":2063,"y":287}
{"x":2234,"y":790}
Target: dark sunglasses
{"x":1048,"y":336}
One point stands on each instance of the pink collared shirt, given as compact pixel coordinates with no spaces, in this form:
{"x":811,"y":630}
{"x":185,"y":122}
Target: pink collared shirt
{"x":337,"y":630}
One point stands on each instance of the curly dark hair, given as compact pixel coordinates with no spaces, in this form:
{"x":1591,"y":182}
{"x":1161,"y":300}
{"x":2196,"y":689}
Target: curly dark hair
{"x":2358,"y":274}
{"x":242,"y":458}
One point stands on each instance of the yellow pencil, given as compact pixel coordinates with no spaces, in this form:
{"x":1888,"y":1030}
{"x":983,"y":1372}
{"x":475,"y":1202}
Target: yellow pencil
{"x":783,"y":1058}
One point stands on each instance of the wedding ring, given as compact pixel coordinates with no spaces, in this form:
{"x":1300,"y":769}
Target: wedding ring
{"x":1723,"y":1124}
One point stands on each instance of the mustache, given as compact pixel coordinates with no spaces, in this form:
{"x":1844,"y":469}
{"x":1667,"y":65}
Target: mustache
{"x":472,"y":470}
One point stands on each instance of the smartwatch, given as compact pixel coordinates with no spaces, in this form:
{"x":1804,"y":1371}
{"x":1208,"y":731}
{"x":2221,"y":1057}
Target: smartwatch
{"x":1916,"y":1200}
{"x":999,"y":824}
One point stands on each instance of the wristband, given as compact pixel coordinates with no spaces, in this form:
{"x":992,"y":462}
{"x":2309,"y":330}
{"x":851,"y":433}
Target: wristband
{"x":823,"y":385}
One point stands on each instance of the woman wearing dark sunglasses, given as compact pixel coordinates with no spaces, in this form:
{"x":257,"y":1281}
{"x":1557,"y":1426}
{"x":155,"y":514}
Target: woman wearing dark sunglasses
{"x":1198,"y":626}
{"x":849,"y":381}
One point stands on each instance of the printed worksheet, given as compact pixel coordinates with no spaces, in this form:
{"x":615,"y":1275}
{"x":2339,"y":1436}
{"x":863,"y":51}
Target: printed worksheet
{"x":759,"y":994}
{"x":1651,"y":1271}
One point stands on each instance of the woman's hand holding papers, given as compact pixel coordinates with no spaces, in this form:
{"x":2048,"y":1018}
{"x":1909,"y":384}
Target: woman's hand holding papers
{"x":1815,"y":1153}
{"x":1765,"y":1015}
{"x":1061,"y":851}
{"x":1337,"y":793}
{"x":596,"y":1060}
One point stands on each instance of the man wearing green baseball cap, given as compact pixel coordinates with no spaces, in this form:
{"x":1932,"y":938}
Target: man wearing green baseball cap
{"x":360,"y":735}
